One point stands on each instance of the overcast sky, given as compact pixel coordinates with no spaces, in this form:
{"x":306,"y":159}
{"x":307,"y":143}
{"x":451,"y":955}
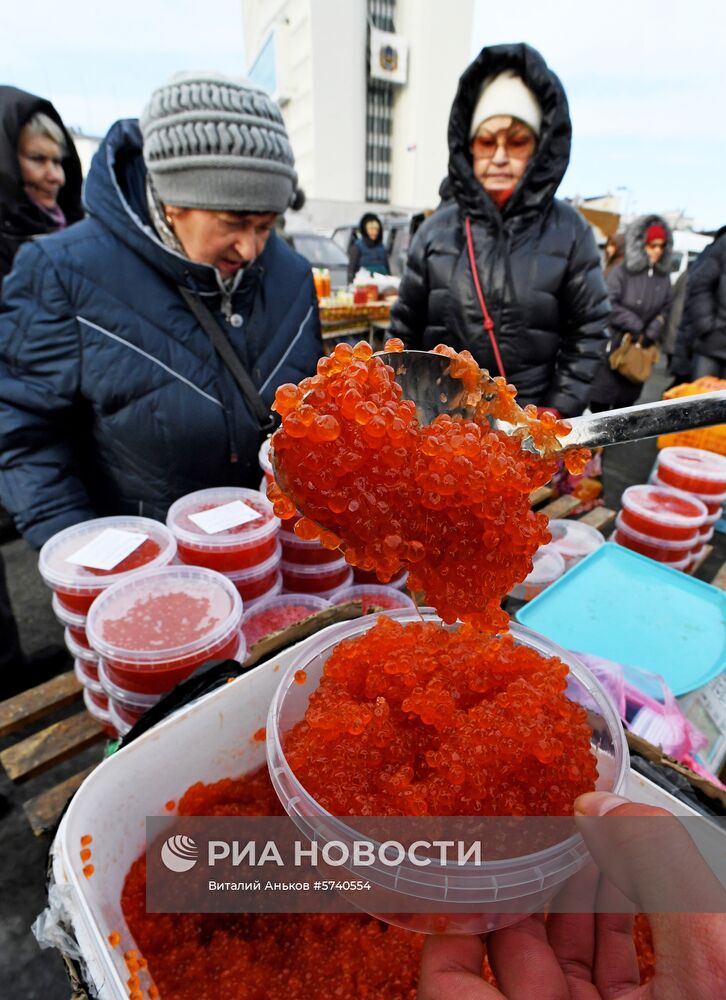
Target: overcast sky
{"x":644,"y":77}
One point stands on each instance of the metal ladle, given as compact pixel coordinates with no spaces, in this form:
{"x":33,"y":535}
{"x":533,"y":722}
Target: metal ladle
{"x":425,"y":379}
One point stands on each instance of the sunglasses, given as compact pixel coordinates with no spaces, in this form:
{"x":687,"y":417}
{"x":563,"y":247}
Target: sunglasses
{"x":658,"y":245}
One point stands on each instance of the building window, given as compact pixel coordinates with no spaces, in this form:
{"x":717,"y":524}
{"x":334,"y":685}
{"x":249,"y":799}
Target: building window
{"x":379,"y":114}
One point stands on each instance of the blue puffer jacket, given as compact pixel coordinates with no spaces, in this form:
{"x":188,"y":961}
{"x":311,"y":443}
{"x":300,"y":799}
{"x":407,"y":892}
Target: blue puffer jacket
{"x":112,"y":399}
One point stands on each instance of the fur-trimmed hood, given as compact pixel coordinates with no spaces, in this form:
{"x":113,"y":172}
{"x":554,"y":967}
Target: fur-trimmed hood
{"x":636,"y":259}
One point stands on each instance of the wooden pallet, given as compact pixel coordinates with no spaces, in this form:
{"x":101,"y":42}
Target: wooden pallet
{"x":36,"y":754}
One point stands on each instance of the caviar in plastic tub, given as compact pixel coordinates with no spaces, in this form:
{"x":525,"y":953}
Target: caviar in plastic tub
{"x":548,"y":565}
{"x":362,"y":576}
{"x":87,"y":675}
{"x":655,"y":548}
{"x":696,"y":557}
{"x":662,"y":513}
{"x":72,"y":620}
{"x":693,"y":469}
{"x":229,"y":549}
{"x":265,"y":463}
{"x":714,"y":518}
{"x":297,"y":550}
{"x":155,"y":630}
{"x":712,"y":501}
{"x":574,"y":540}
{"x":79,"y":651}
{"x":620,"y":537}
{"x":272,"y":614}
{"x":374,"y":597}
{"x":705,"y":534}
{"x":77,"y":586}
{"x":332,"y":594}
{"x":314,"y":579}
{"x":101,"y":715}
{"x":274,"y":591}
{"x":522,"y":876}
{"x":257,"y":581}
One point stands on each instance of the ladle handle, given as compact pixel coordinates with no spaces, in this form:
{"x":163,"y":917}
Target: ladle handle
{"x":646,"y":420}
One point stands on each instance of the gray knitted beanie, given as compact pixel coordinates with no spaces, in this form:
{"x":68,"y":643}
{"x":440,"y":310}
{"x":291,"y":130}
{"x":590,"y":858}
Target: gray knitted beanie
{"x":214,"y":142}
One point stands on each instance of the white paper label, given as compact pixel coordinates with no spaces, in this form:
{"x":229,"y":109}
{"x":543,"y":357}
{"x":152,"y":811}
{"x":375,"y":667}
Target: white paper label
{"x":224,"y":517}
{"x":108,"y":549}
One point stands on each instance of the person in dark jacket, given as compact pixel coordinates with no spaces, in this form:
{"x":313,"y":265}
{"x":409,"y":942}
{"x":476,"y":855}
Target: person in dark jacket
{"x":700,"y":347}
{"x":112,"y":397}
{"x":368,"y":250}
{"x":640,"y":297}
{"x":535,"y":257}
{"x":40,"y":173}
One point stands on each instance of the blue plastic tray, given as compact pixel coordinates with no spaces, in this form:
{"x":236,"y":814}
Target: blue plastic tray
{"x":628,"y":608}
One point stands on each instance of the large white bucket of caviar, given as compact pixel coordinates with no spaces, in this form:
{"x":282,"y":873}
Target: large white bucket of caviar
{"x":208,"y":740}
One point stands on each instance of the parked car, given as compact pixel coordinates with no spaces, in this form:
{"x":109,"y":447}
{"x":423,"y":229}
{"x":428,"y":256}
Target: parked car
{"x":686,"y":248}
{"x":396,"y":239}
{"x":322,"y":251}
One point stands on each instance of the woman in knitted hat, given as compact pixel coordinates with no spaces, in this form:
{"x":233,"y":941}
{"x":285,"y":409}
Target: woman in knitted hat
{"x":640,"y":296}
{"x":505,"y":270}
{"x":113,"y":398}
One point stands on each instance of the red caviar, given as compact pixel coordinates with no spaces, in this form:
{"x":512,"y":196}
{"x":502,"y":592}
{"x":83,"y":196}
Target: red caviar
{"x":114,"y":939}
{"x":418,"y":720}
{"x":88,"y":870}
{"x":450,"y":501}
{"x":300,"y":676}
{"x":264,"y":623}
{"x":148,"y":550}
{"x":260,"y":734}
{"x":86,"y":839}
{"x":85,"y":854}
{"x":170,"y":806}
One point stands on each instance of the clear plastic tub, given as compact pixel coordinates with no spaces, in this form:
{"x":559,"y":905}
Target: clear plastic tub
{"x":257,"y":581}
{"x":696,"y":557}
{"x":270,"y":614}
{"x":662,"y":512}
{"x":297,"y":550}
{"x":314,"y":579}
{"x":693,"y":469}
{"x":363,"y":576}
{"x":655,"y":548}
{"x":714,"y":518}
{"x":372,"y":596}
{"x":78,"y":651}
{"x":229,"y":549}
{"x":77,"y":586}
{"x":265,"y":463}
{"x":535,"y":878}
{"x":153,"y":631}
{"x":574,"y":540}
{"x":332,"y":594}
{"x":620,"y":538}
{"x":101,"y":715}
{"x":712,"y":501}
{"x":548,"y":565}
{"x":88,"y":676}
{"x":71,"y":619}
{"x":274,"y":590}
{"x":705,"y":534}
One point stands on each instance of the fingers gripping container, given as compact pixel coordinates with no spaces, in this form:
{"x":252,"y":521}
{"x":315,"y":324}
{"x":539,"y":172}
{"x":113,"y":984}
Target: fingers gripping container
{"x":529,"y":881}
{"x":153,"y":631}
{"x":574,"y":540}
{"x":370,"y":596}
{"x":270,"y":614}
{"x":693,"y":469}
{"x":76,"y":587}
{"x":548,"y":565}
{"x":228,"y":550}
{"x":301,"y":579}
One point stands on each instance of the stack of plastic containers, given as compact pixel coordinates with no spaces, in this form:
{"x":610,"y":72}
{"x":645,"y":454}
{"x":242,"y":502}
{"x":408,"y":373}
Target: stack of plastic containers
{"x":231,"y":530}
{"x":661,"y":523}
{"x":700,"y":473}
{"x":574,"y":540}
{"x":154,"y":630}
{"x":79,"y":564}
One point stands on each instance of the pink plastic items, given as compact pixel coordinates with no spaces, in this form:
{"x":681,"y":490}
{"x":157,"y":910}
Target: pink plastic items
{"x":297,"y":550}
{"x":574,"y":540}
{"x":655,"y":548}
{"x":314,"y":579}
{"x":257,"y":581}
{"x":547,"y":566}
{"x":372,"y":596}
{"x":225,"y":542}
{"x":155,"y":630}
{"x":274,"y":613}
{"x":693,"y":469}
{"x":662,"y":513}
{"x":77,"y":586}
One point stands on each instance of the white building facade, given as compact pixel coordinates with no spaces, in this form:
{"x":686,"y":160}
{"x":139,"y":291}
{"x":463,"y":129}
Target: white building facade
{"x":367,"y":113}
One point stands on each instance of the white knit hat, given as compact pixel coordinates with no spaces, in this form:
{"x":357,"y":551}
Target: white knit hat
{"x":506,"y":94}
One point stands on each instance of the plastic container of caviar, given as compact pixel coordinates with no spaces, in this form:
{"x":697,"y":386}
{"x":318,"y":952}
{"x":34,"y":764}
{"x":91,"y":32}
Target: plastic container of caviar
{"x":694,"y":470}
{"x":79,"y":651}
{"x":372,"y":596}
{"x":332,"y":594}
{"x":265,"y":464}
{"x":662,"y":512}
{"x":72,"y":620}
{"x":493,"y":890}
{"x":302,"y":553}
{"x":274,"y":590}
{"x":301,"y":579}
{"x":88,"y":676}
{"x":712,"y":501}
{"x":77,"y":586}
{"x":574,"y":540}
{"x":101,"y":715}
{"x":257,"y":581}
{"x":548,"y":565}
{"x":705,"y":534}
{"x":695,"y":558}
{"x":655,"y":548}
{"x":270,"y":614}
{"x":155,"y":630}
{"x":227,"y":549}
{"x":619,"y":537}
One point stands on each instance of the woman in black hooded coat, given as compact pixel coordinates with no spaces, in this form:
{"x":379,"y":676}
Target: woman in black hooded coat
{"x":536,"y":257}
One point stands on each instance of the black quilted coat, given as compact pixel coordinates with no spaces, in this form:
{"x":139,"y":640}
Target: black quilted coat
{"x":537,"y":259}
{"x":703,"y":326}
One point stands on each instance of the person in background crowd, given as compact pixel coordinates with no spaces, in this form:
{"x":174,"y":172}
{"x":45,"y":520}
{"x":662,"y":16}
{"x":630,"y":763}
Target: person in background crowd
{"x":112,"y":397}
{"x":640,"y":297}
{"x":40,"y":173}
{"x":675,"y":317}
{"x":700,"y":347}
{"x":40,"y":192}
{"x":614,"y":252}
{"x":533,"y":258}
{"x":368,"y":250}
